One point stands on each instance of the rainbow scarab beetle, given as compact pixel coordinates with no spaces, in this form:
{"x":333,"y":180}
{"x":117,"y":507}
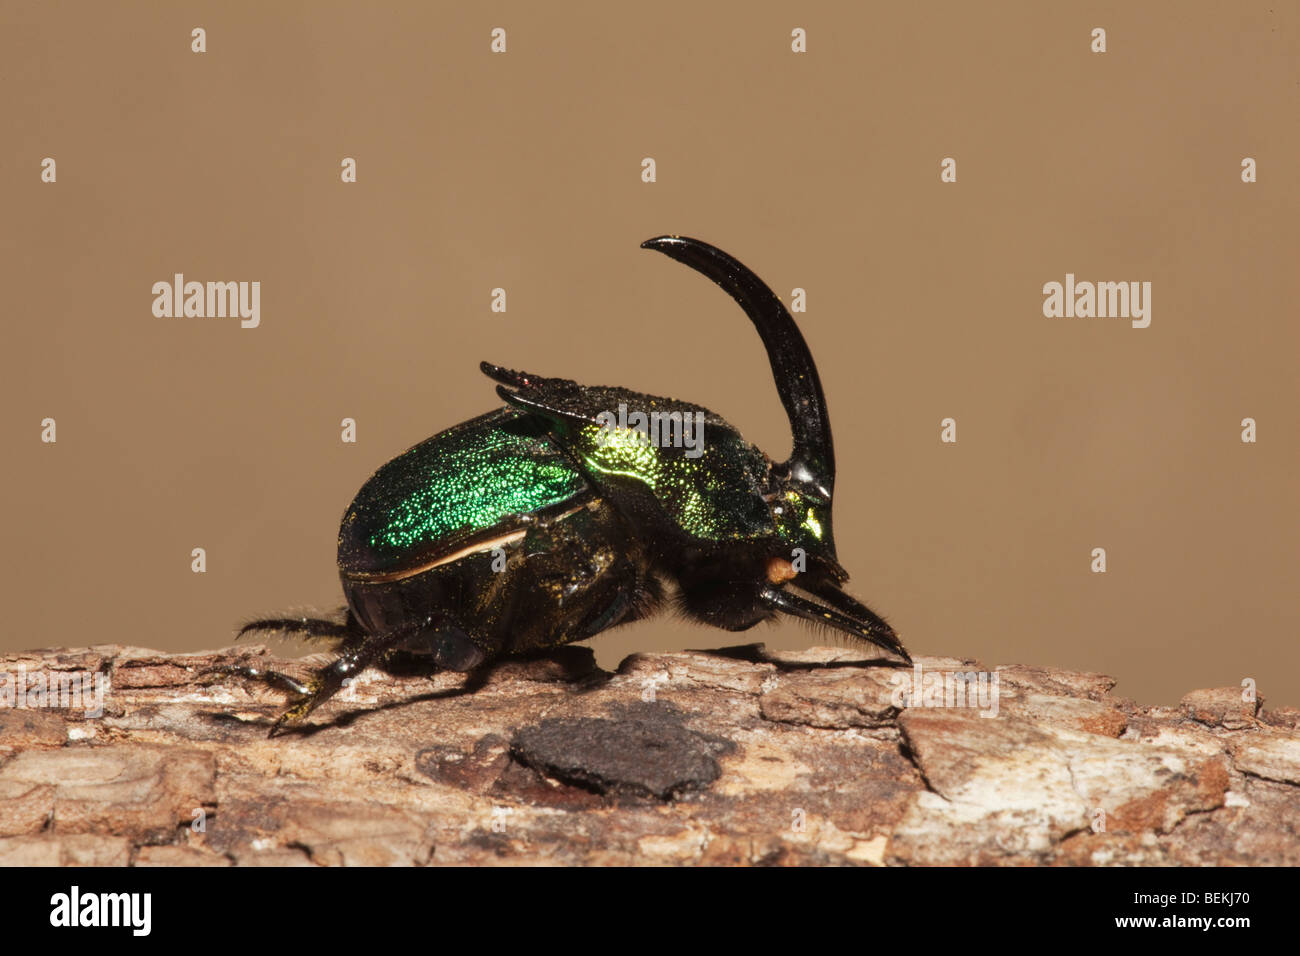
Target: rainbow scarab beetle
{"x":539,"y":524}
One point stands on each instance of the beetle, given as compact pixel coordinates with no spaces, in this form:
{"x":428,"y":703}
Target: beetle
{"x":540,"y":523}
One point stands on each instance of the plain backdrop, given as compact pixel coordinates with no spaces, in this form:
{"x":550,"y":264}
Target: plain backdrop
{"x":522,"y":171}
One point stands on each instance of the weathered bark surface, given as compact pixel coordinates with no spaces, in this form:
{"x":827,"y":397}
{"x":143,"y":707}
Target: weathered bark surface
{"x":727,"y":757}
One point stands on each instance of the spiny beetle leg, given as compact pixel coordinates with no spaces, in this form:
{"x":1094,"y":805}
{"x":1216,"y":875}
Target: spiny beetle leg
{"x":327,"y":681}
{"x":307,"y":628}
{"x":276,"y":679}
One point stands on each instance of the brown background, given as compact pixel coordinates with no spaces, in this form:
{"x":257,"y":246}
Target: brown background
{"x":523,"y":171}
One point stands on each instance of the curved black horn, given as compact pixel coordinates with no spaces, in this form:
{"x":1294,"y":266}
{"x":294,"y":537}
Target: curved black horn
{"x":812,"y":460}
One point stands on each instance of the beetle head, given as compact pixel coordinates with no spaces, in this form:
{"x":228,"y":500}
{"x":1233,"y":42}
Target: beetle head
{"x":811,"y":466}
{"x":801,"y":487}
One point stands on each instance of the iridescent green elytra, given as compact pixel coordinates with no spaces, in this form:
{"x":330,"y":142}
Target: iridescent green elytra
{"x":453,"y":487}
{"x":538,"y":523}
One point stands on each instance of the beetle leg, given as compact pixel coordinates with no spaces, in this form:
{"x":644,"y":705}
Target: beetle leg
{"x":453,"y":650}
{"x":840,"y":612}
{"x":276,"y":679}
{"x":307,"y":628}
{"x":326,"y":682}
{"x":608,"y":617}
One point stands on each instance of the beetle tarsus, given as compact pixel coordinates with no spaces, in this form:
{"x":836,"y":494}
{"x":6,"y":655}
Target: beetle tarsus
{"x":298,"y":711}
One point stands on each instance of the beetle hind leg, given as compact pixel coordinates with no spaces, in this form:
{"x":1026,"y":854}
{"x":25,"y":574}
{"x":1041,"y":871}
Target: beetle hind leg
{"x":307,"y":695}
{"x":327,"y":681}
{"x":276,"y":679}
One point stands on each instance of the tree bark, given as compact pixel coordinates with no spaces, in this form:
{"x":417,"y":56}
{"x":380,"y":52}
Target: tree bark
{"x":735,"y":756}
